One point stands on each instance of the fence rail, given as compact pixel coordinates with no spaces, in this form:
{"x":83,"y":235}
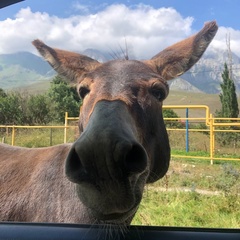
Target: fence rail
{"x":13,"y":129}
{"x":210,"y":129}
{"x":211,"y":124}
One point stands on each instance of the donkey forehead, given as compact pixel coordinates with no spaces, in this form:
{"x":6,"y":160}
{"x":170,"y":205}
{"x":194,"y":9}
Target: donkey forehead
{"x":123,"y":71}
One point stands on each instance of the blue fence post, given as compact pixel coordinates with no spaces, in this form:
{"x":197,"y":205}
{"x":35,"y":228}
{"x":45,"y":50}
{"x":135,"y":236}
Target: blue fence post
{"x":187,"y":132}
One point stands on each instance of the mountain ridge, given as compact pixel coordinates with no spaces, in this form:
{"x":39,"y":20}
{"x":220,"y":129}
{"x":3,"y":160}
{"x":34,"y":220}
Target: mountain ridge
{"x":23,"y":69}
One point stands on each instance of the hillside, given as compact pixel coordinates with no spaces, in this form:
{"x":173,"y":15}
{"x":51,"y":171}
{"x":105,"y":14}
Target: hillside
{"x":22,"y":69}
{"x":206,"y":75}
{"x":36,"y":88}
{"x":193,"y":98}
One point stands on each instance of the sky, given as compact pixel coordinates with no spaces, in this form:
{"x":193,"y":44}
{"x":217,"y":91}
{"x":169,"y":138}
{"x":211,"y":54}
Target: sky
{"x":148,"y":26}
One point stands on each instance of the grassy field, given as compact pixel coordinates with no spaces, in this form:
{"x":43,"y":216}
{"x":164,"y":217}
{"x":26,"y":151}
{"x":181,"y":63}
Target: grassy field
{"x":199,"y":144}
{"x":36,"y":137}
{"x":186,"y":210}
{"x":37,"y":88}
{"x":189,"y":98}
{"x":193,"y":194}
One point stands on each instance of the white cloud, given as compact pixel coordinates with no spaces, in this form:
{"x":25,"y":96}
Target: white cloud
{"x":78,"y":7}
{"x":147,"y":30}
{"x":219,"y":41}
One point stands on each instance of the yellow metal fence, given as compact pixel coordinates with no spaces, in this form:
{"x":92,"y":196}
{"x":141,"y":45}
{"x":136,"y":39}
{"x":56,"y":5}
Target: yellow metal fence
{"x":17,"y":135}
{"x":198,"y":131}
{"x":212,"y":127}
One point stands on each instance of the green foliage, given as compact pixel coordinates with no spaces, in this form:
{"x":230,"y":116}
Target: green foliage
{"x":228,"y":96}
{"x":229,"y":183}
{"x":169,"y":113}
{"x":2,"y":93}
{"x":228,"y":138}
{"x":11,"y":109}
{"x":20,"y":108}
{"x":23,"y":109}
{"x":63,"y":99}
{"x":38,"y":110}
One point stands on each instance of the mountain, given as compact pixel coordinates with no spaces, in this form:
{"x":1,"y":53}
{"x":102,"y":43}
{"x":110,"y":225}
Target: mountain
{"x":179,"y":84}
{"x":206,"y":74}
{"x":24,"y":69}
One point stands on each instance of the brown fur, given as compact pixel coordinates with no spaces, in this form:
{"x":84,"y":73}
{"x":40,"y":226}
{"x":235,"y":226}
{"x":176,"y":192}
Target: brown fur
{"x":33,"y":179}
{"x":123,"y":143}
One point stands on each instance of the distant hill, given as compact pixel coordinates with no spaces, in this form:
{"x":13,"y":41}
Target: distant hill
{"x":180,"y":84}
{"x":206,"y":75}
{"x":193,"y":98}
{"x":28,"y":72}
{"x":26,"y":60}
{"x":22,"y":69}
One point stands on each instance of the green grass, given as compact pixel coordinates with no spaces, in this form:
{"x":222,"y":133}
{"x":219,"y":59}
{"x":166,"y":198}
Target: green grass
{"x":190,"y":153}
{"x":199,"y":144}
{"x":193,"y":194}
{"x":199,"y":174}
{"x":189,"y":98}
{"x":186,"y":210}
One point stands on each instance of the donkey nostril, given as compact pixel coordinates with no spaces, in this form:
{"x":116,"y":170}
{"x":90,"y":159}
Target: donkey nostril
{"x":74,"y":169}
{"x":136,"y":159}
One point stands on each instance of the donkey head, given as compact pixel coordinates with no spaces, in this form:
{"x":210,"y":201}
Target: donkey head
{"x":123,"y":142}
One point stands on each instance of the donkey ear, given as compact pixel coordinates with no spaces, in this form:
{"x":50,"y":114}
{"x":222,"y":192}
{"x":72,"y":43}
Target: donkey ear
{"x":180,"y":57}
{"x":68,"y":64}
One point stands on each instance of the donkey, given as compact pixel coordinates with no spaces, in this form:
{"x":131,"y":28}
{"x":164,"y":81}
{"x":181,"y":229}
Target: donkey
{"x":123,"y":142}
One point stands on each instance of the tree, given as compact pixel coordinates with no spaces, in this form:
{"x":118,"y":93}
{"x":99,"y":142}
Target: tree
{"x":228,"y":96}
{"x":10,"y":109}
{"x":169,"y":113}
{"x":63,"y":99}
{"x":229,"y":109}
{"x":38,"y":109}
{"x":2,"y":93}
{"x":20,"y":108}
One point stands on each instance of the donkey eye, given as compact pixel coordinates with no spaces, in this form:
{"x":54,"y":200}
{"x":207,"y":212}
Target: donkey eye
{"x":83,"y":91}
{"x":158,"y":93}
